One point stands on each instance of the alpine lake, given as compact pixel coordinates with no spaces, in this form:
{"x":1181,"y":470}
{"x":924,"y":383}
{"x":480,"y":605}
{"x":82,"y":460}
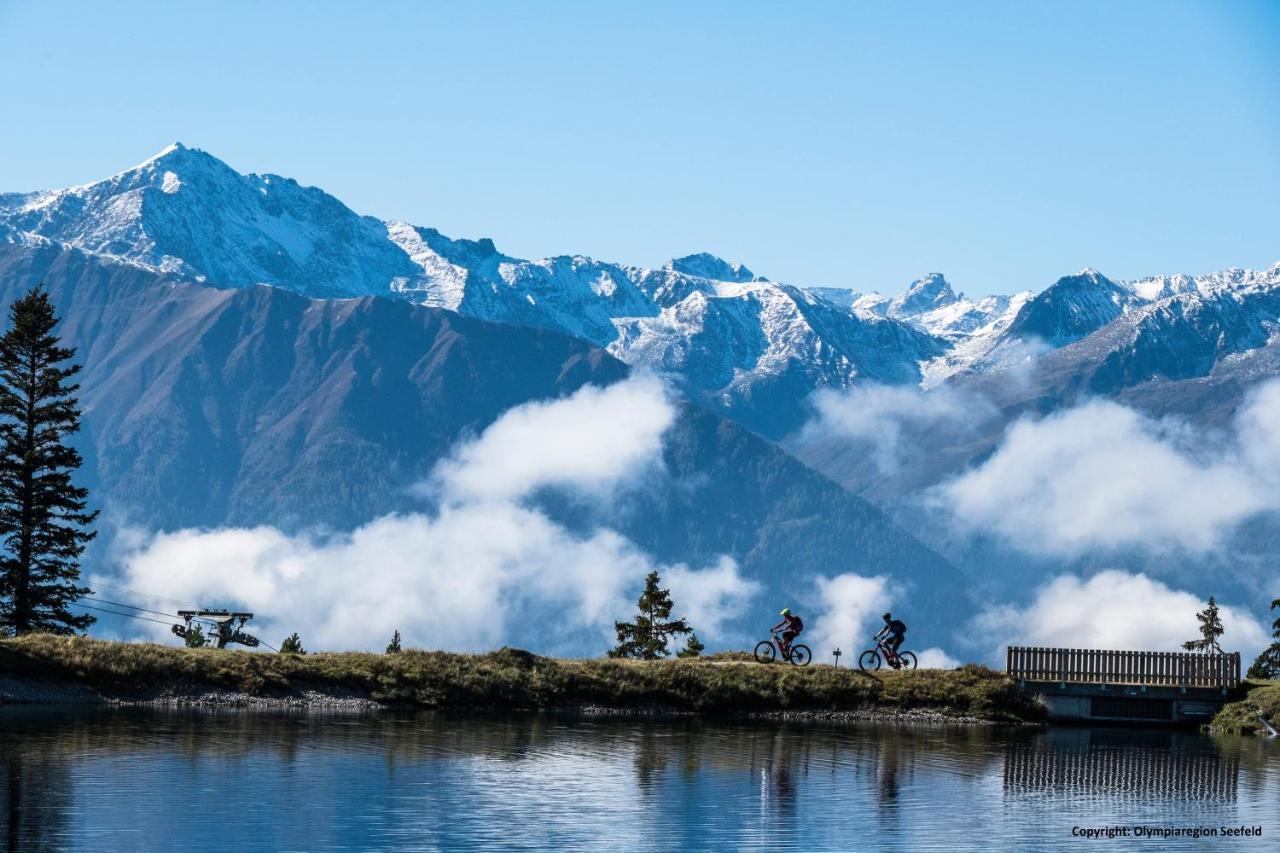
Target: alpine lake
{"x":106,"y":779}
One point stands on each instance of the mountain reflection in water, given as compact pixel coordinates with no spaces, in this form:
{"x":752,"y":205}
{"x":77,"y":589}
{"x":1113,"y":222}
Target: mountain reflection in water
{"x":93,"y":779}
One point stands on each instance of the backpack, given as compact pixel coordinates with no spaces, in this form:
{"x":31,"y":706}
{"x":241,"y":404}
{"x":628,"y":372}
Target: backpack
{"x":797,"y":624}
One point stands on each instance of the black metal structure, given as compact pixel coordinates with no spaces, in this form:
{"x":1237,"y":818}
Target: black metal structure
{"x":228,"y":626}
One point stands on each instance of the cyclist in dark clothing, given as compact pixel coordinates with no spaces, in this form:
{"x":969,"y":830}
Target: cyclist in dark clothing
{"x":791,"y":626}
{"x":895,"y":630}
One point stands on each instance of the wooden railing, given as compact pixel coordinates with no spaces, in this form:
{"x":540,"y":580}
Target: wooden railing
{"x":1103,"y":666}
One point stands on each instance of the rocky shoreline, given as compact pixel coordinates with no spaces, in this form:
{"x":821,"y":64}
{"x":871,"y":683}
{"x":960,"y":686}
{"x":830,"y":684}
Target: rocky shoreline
{"x":18,"y":691}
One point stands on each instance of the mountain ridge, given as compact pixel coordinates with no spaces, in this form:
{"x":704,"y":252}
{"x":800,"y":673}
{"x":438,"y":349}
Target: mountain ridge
{"x":749,"y":347}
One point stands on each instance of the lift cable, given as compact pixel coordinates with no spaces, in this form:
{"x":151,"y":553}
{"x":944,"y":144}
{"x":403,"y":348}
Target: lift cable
{"x":118,"y":613}
{"x":146,"y":595}
{"x":130,"y":606}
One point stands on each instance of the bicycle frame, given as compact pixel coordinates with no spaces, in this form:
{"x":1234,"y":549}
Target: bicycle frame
{"x":889,"y":654}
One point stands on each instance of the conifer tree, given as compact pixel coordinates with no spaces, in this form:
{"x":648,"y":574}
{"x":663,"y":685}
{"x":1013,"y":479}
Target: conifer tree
{"x":646,"y":638}
{"x":1210,"y":630}
{"x":44,"y":523}
{"x":1268,"y":663}
{"x":693,"y":648}
{"x":195,"y":638}
{"x":393,"y":647}
{"x":292,"y":645}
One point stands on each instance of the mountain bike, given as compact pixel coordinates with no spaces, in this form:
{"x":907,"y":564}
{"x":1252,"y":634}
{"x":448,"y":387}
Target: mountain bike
{"x":871,"y":659}
{"x":767,"y":651}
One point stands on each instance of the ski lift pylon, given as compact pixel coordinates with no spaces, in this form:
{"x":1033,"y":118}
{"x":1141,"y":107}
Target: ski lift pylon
{"x":228,"y":626}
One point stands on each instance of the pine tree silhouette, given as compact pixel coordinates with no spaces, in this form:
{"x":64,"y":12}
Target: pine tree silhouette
{"x":44,"y":524}
{"x":646,"y":638}
{"x":1210,"y":630}
{"x":393,"y":647}
{"x":1268,"y":663}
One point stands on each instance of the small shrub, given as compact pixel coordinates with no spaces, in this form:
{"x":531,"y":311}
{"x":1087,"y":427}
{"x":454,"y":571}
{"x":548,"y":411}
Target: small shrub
{"x":292,"y":645}
{"x":694,"y":648}
{"x":195,"y":638}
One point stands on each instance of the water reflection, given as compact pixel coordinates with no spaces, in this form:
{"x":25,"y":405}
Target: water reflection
{"x":37,"y":795}
{"x":1122,"y":763}
{"x":125,"y":780}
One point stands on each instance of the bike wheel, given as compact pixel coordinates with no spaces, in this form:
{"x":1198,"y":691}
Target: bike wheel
{"x":907,"y":660}
{"x":869,"y":660}
{"x":800,"y":655}
{"x":765,"y":652}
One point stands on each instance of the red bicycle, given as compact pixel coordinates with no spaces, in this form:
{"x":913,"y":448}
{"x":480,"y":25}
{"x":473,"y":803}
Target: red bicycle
{"x":769,"y":650}
{"x":871,"y":659}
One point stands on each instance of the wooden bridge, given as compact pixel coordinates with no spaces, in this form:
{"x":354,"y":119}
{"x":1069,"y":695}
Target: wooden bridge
{"x":1104,"y":684}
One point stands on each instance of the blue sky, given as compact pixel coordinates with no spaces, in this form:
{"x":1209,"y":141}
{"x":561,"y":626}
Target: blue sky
{"x":834,"y":144}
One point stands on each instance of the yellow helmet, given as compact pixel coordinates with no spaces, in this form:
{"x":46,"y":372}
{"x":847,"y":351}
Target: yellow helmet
{"x":786,"y":611}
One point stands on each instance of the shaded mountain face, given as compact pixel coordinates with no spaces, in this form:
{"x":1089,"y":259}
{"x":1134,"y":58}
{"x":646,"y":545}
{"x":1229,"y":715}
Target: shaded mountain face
{"x":210,"y":407}
{"x":207,"y":407}
{"x":1071,"y":308}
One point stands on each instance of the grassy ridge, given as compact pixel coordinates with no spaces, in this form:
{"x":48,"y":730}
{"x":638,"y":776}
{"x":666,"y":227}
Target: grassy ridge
{"x":1241,"y":717}
{"x":511,"y":678}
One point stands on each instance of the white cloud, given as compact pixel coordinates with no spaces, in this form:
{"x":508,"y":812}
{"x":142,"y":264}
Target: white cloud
{"x":590,"y":442}
{"x":483,"y":569}
{"x":935,"y":658}
{"x":1115,"y":610}
{"x":1102,"y":476}
{"x":711,"y":597}
{"x":849,"y":604}
{"x":849,"y":615}
{"x":879,"y":415}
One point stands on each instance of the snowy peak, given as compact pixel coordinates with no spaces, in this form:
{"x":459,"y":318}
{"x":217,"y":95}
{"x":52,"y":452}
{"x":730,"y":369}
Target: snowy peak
{"x":1071,"y":308}
{"x":186,"y":212}
{"x":705,"y":265}
{"x":925,"y":294}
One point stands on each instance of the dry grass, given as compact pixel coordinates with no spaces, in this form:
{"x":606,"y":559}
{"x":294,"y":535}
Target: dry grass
{"x":511,"y":678}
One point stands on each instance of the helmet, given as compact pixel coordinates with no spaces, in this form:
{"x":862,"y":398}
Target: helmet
{"x":887,"y":616}
{"x":786,"y":611}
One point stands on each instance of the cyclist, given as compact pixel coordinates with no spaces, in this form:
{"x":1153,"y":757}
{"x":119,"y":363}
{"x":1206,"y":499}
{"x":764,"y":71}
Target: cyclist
{"x":896,"y":631}
{"x":791,"y":626}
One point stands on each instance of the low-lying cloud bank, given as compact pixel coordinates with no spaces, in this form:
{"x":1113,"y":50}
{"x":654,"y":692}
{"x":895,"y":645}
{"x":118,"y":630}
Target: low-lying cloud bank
{"x":486,"y":568}
{"x":880,"y":417}
{"x":1104,"y":477}
{"x":1115,"y":610}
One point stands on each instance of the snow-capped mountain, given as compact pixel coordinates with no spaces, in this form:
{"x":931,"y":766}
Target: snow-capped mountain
{"x":732,"y":338}
{"x":1071,"y":308}
{"x":187,"y":213}
{"x":745,"y":344}
{"x":1181,"y":336}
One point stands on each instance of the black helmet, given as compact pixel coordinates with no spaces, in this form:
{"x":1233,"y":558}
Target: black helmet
{"x":887,"y":617}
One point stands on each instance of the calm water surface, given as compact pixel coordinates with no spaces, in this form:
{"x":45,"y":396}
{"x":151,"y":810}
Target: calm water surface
{"x":131,"y":780}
